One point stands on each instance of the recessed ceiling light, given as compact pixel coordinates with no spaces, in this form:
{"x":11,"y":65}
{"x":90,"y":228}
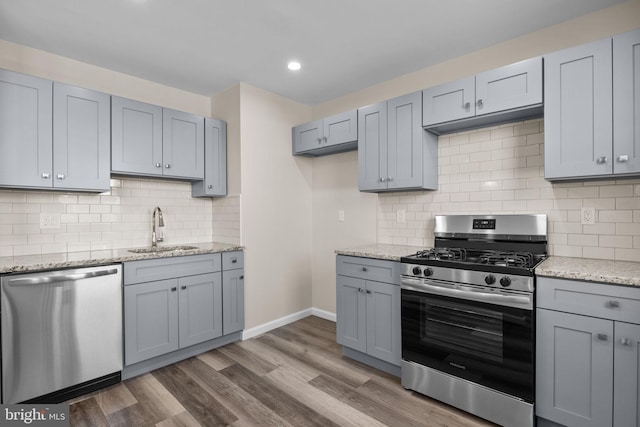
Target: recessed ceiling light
{"x":294,"y":65}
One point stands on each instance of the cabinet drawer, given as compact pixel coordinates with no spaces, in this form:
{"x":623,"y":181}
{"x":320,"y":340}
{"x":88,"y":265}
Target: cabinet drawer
{"x":591,"y":299}
{"x":167,"y":268}
{"x":232,"y":260}
{"x":369,"y":269}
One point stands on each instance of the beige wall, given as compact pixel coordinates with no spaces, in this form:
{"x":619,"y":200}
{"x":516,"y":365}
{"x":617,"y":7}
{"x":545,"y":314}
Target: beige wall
{"x":327,"y":236}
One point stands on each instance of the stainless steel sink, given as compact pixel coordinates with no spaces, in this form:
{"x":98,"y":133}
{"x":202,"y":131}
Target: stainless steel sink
{"x":155,"y":249}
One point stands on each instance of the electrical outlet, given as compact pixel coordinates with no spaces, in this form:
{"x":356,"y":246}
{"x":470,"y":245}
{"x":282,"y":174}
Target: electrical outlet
{"x":49,"y":221}
{"x":401,"y":215}
{"x":340,"y":215}
{"x":588,"y":216}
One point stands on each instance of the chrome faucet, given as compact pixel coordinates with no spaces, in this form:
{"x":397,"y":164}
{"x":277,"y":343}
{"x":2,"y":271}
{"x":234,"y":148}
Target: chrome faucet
{"x":156,"y":238}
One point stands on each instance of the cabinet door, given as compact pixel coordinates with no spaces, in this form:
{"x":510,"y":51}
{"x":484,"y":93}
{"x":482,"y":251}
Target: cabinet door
{"x":150,"y":320}
{"x":81,"y":138}
{"x":136,"y":137}
{"x":449,"y":101}
{"x":307,"y":137}
{"x":383,"y":322}
{"x":232,"y":301}
{"x":200,"y":308}
{"x":578,"y":112}
{"x":405,"y":146}
{"x":25,"y":131}
{"x":182,"y":144}
{"x":513,"y":86}
{"x":341,"y":128}
{"x":215,"y":161}
{"x":626,"y":103}
{"x":626,"y":396}
{"x":351,"y":316}
{"x":574,"y":369}
{"x":372,"y":147}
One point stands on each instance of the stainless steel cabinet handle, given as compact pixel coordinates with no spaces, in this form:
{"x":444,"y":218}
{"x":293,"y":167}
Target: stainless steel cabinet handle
{"x":360,"y":290}
{"x":480,"y":102}
{"x":41,"y":280}
{"x":613,"y":304}
{"x":623,"y":158}
{"x":603,"y":337}
{"x":324,"y":139}
{"x":46,"y":175}
{"x":60,"y":176}
{"x":209,"y":186}
{"x":601,"y":160}
{"x":174,"y":289}
{"x":626,"y":341}
{"x":158,"y":165}
{"x":382,"y":179}
{"x":167,"y":166}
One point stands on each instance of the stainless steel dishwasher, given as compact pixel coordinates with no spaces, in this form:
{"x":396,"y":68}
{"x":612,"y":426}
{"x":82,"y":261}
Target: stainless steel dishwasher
{"x":61,"y":333}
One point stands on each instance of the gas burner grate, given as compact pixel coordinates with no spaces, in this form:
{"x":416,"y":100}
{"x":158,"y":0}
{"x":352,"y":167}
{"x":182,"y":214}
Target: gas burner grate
{"x":508,"y":259}
{"x":444,"y":254}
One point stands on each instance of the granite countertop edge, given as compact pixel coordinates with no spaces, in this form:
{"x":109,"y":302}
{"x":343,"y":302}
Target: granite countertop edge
{"x":55,"y":261}
{"x":625,"y":273}
{"x":380,"y":251}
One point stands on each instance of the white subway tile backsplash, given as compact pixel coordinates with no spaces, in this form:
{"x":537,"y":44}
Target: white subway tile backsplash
{"x":500,"y":170}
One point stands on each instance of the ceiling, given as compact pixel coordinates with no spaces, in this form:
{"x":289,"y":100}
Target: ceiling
{"x":207,"y":46}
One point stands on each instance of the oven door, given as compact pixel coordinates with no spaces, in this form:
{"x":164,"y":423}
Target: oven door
{"x":477,"y":335}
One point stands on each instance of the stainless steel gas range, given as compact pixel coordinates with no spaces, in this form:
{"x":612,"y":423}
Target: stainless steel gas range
{"x":467,"y":315}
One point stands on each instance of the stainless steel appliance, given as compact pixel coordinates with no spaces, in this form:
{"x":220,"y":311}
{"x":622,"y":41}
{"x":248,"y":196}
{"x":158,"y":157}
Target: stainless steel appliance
{"x":467,"y":315}
{"x":61,"y":333}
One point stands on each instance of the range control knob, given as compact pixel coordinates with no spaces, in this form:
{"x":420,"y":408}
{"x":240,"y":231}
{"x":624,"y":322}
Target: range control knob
{"x":490,"y":279}
{"x":417,"y":271}
{"x":505,"y":281}
{"x":428,"y":272}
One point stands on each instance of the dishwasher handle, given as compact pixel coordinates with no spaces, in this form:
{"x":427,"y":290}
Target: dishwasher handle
{"x":42,"y":280}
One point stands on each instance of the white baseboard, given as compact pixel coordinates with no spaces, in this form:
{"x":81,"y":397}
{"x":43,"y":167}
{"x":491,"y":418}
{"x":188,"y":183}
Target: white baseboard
{"x":274,"y":324}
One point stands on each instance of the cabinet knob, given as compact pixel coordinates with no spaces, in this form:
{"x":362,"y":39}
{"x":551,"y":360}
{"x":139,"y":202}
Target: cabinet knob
{"x":241,"y":277}
{"x":361,"y":290}
{"x":210,"y":186}
{"x":234,"y":260}
{"x":466,"y":105}
{"x":601,"y":160}
{"x":603,"y":337}
{"x":174,"y":289}
{"x":613,"y":304}
{"x":626,"y":341}
{"x":324,"y":139}
{"x":480,"y":102}
{"x":167,"y":166}
{"x":623,"y":158}
{"x":46,"y":175}
{"x":368,"y":292}
{"x":382,"y":179}
{"x":60,"y":176}
{"x":183,"y":287}
{"x":389,"y":179}
{"x":158,"y":165}
{"x":319,"y":140}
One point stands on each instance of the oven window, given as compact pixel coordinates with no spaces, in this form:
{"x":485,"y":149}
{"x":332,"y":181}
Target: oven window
{"x":485,"y":343}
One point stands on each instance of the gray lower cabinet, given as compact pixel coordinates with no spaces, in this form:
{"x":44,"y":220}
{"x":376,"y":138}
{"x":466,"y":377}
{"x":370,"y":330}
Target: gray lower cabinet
{"x":233,"y":292}
{"x":215,"y":161}
{"x":592,"y":91}
{"x":52,"y":135}
{"x":503,"y":94}
{"x":587,"y":354}
{"x":368,"y":310}
{"x":149,"y":140}
{"x":330,"y":135}
{"x":394,"y":152}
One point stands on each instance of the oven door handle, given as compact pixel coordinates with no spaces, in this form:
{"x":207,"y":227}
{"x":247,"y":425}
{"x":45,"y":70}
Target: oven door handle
{"x":508,"y":300}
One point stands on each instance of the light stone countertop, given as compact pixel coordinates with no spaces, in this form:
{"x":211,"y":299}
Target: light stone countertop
{"x":381,"y":251}
{"x":592,"y":270}
{"x":32,"y":263}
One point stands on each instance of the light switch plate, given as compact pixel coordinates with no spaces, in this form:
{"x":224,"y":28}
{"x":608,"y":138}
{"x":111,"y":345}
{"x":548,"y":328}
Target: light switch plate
{"x":340,"y":215}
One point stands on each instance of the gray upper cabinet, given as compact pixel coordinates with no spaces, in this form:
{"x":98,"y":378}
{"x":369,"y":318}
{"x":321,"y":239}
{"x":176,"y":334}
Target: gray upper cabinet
{"x":592,"y":93}
{"x":151,"y":141}
{"x":587,"y":353}
{"x":626,"y":103}
{"x":331,"y":135}
{"x":394,"y":152}
{"x":508,"y":93}
{"x":81,"y":139}
{"x":215,"y":161}
{"x":52,"y":136}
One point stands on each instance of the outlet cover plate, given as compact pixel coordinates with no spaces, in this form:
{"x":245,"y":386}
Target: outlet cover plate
{"x":588,"y":216}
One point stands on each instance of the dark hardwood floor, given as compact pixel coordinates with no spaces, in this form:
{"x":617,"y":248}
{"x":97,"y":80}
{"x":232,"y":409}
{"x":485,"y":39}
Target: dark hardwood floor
{"x":292,"y":376}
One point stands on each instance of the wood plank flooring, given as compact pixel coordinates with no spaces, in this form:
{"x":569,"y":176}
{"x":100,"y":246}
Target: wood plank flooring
{"x":292,"y":376}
